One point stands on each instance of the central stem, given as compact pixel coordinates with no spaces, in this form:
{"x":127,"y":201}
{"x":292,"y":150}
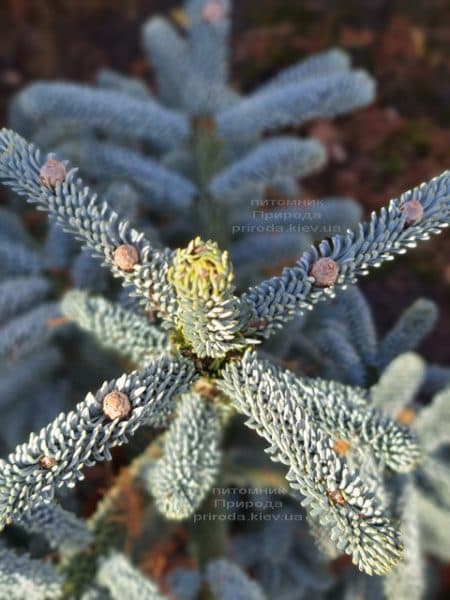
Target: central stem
{"x":209,"y":533}
{"x":208,"y":153}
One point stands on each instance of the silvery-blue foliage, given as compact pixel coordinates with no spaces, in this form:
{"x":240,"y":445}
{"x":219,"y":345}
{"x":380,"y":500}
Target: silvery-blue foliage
{"x":101,"y":160}
{"x":317,"y":217}
{"x":20,"y":294}
{"x":29,"y":326}
{"x":408,"y":580}
{"x":63,"y":530}
{"x":436,"y":378}
{"x":85,"y":435}
{"x":417,"y":498}
{"x":229,"y":582}
{"x":42,"y":396}
{"x":304,"y":420}
{"x":113,"y":111}
{"x":368,"y":466}
{"x":33,"y":334}
{"x":420,"y":498}
{"x":59,"y":248}
{"x":110,"y":79}
{"x":290,"y":572}
{"x":256,"y":248}
{"x":182,"y":477}
{"x":400,"y":381}
{"x":278,"y":157}
{"x":279,"y":299}
{"x":343,"y":338}
{"x":116,"y":328}
{"x":25,"y":333}
{"x":121,"y":131}
{"x":432,"y":423}
{"x":356,"y":525}
{"x":294,"y":103}
{"x":19,"y":379}
{"x":11,"y":227}
{"x":184,"y":583}
{"x":122,"y":580}
{"x":22,"y":577}
{"x":17,"y":259}
{"x":413,"y":325}
{"x":87,"y":272}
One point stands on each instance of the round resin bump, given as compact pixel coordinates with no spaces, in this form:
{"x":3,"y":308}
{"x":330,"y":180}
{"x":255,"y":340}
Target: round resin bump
{"x":116,"y":405}
{"x":336,"y":497}
{"x":325,"y":271}
{"x":413,"y":211}
{"x":52,"y":172}
{"x":213,"y":12}
{"x":341,"y":447}
{"x":47,"y":462}
{"x":406,"y":416}
{"x":126,"y":257}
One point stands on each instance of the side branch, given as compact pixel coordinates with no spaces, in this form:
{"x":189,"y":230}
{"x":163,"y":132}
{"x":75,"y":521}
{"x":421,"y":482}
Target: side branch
{"x":413,"y":217}
{"x":56,"y":456}
{"x":79,"y":211}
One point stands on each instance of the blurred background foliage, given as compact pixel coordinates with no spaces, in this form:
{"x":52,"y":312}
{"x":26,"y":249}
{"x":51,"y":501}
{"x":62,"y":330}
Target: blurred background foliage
{"x":374,"y":154}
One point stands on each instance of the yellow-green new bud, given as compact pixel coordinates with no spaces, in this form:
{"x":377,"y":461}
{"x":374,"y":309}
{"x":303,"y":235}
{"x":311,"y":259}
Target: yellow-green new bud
{"x":208,"y":312}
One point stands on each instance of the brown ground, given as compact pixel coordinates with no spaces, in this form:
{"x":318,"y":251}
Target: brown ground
{"x":375,"y":154}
